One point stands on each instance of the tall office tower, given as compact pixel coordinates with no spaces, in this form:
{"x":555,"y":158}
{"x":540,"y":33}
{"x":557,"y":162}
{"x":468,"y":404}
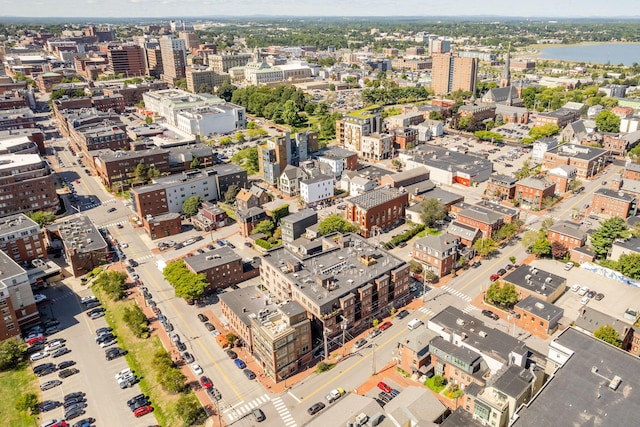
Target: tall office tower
{"x":451,"y":73}
{"x":190,"y":39}
{"x":128,"y":60}
{"x":174,"y":58}
{"x":154,"y":59}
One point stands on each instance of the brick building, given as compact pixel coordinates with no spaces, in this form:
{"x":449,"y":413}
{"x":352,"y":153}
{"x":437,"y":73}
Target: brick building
{"x":562,"y":176}
{"x":45,"y":81}
{"x":537,"y":316}
{"x":405,"y":178}
{"x":482,"y":217}
{"x":405,"y":138}
{"x":132,"y":93}
{"x":437,"y":253}
{"x":17,"y":304}
{"x":253,"y":197}
{"x":631,"y":171}
{"x":377,"y":210}
{"x":26,"y":185}
{"x":501,"y":187}
{"x":21,"y":238}
{"x":116,"y":168}
{"x":560,"y":117}
{"x":588,"y":161}
{"x":533,"y":190}
{"x":19,"y":118}
{"x":209,"y":217}
{"x":222,"y":267}
{"x":413,"y":350}
{"x":163,"y":225}
{"x":248,"y":219}
{"x":567,"y":233}
{"x":613,"y":203}
{"x":529,"y":280}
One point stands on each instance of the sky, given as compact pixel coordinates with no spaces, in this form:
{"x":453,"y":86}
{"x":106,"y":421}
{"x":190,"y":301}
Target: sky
{"x":240,"y":8}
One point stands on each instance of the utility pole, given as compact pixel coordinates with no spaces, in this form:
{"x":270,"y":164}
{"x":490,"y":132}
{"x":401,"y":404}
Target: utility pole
{"x":373,"y":358}
{"x":326,"y":345}
{"x":343,"y":326}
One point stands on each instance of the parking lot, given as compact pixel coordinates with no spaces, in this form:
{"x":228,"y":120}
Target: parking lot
{"x":617,"y":296}
{"x":96,"y":376}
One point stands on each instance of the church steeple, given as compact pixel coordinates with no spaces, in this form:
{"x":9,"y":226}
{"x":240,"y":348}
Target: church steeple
{"x":506,"y":73}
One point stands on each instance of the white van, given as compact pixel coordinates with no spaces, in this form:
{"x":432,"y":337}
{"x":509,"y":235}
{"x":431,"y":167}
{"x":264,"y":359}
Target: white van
{"x":414,"y":324}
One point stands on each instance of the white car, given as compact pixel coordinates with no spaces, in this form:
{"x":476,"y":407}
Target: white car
{"x":39,"y":298}
{"x":585,"y":300}
{"x":53,"y":346}
{"x":87,"y":299}
{"x":583,"y":291}
{"x":108,"y":343}
{"x":38,"y":356}
{"x":124,"y":245}
{"x":197,"y":369}
{"x":124,"y":373}
{"x":575,"y":287}
{"x":568,"y":266}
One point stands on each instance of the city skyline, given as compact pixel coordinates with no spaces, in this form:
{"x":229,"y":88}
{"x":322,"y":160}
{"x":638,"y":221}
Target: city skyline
{"x":354,"y":8}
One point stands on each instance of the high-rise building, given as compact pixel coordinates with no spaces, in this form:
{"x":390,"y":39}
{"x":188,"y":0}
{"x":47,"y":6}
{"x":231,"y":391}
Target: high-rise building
{"x":154,"y":60}
{"x":128,"y":60}
{"x":204,"y":80}
{"x":451,"y":73}
{"x":174,"y":58}
{"x":222,"y":63}
{"x":190,"y":39}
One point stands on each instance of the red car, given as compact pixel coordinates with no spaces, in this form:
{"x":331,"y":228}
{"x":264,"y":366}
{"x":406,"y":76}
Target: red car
{"x":384,"y":387}
{"x":36,"y":340}
{"x":143,"y":410}
{"x":494,"y":277}
{"x":205,"y":382}
{"x":385,"y":326}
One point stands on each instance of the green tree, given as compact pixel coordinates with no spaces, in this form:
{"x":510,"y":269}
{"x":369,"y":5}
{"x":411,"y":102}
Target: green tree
{"x":136,"y":320}
{"x":239,"y":137}
{"x":335,"y":223}
{"x":191,"y":205}
{"x":529,"y":238}
{"x":172,"y":379}
{"x":547,"y":223}
{"x":429,"y":276}
{"x":189,"y":409}
{"x":541,"y":247}
{"x":247,"y":159}
{"x":435,"y":115}
{"x":415,"y":266}
{"x":502,"y":294}
{"x":485,"y":247}
{"x":231,"y":193}
{"x":608,"y":334}
{"x":195,"y":162}
{"x":12,"y":352}
{"x":265,"y":226}
{"x":225,"y":90}
{"x":512,"y":259}
{"x":42,"y":218}
{"x":609,"y":230}
{"x":112,"y":283}
{"x":148,"y":120}
{"x":226,"y":140}
{"x":186,"y":284}
{"x":279,"y":213}
{"x":607,"y":121}
{"x":629,"y":265}
{"x":231,"y":338}
{"x":28,"y":402}
{"x":506,"y":232}
{"x":432,"y":211}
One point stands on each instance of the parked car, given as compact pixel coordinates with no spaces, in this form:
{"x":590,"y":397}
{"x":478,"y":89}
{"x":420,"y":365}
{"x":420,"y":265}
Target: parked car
{"x":334,"y":395}
{"x":38,"y":356}
{"x":374,"y":333}
{"x":575,"y":287}
{"x":53,"y":346}
{"x":360,"y":343}
{"x":583,"y":291}
{"x":50,"y":384}
{"x":599,"y":296}
{"x":568,"y":266}
{"x":110,"y":210}
{"x":476,"y":264}
{"x":143,"y":410}
{"x":315,"y":408}
{"x":60,"y":352}
{"x":591,"y":294}
{"x":85,"y":422}
{"x":114,"y":353}
{"x":202,"y":317}
{"x":402,"y":314}
{"x":494,"y":277}
{"x":65,"y":373}
{"x":205,"y":382}
{"x":490,"y":314}
{"x":249,"y":373}
{"x":196,"y":369}
{"x":66,"y":364}
{"x":187,"y":357}
{"x":384,"y":387}
{"x":239,"y":363}
{"x":385,"y":326}
{"x":232,"y":354}
{"x":48,"y":405}
{"x":74,"y":395}
{"x":209,"y":326}
{"x":502,"y":272}
{"x":74,"y":413}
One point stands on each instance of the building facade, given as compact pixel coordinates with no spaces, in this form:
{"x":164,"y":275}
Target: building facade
{"x":376,"y":210}
{"x":21,"y":238}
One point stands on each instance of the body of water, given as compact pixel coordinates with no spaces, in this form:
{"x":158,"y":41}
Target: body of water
{"x":613,"y":53}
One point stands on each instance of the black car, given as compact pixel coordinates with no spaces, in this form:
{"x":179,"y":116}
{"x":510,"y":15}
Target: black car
{"x":92,"y":304}
{"x":476,"y":264}
{"x":96,"y":310}
{"x":232,"y":354}
{"x":114,"y":353}
{"x":135,"y":398}
{"x":103,"y":330}
{"x":502,"y":272}
{"x":231,"y":245}
{"x":180,"y":346}
{"x":68,"y":403}
{"x":168,"y":327}
{"x":209,"y":327}
{"x":66,"y":364}
{"x":60,"y":352}
{"x":74,"y":413}
{"x":85,"y":422}
{"x":66,"y":373}
{"x":132,"y":262}
{"x":45,"y":372}
{"x":130,"y":269}
{"x":202,"y":317}
{"x":187,"y":357}
{"x":74,"y":395}
{"x":249,"y":374}
{"x":315,"y":408}
{"x":48,"y":405}
{"x":111,"y":210}
{"x":402,"y":314}
{"x":137,"y":401}
{"x":490,"y":314}
{"x":105,"y":337}
{"x":43,"y":367}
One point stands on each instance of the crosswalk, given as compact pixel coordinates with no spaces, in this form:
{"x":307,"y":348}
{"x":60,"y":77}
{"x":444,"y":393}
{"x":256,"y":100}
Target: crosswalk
{"x":61,"y":296}
{"x":284,"y":413}
{"x":426,"y":311}
{"x":143,"y":257}
{"x":242,"y":409}
{"x":468,"y":309}
{"x":114,"y":224}
{"x":457,"y":293}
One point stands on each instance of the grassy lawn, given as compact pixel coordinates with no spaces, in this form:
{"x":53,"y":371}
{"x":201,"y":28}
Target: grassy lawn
{"x":13,"y":384}
{"x":229,"y":210}
{"x":140,"y":359}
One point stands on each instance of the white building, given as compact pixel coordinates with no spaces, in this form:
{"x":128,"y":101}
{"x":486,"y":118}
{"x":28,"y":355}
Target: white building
{"x":541,"y":146}
{"x":376,"y":147}
{"x":358,"y":185}
{"x":316,"y":189}
{"x":178,"y":188}
{"x":630,"y":124}
{"x":197,"y":114}
{"x":334,"y":163}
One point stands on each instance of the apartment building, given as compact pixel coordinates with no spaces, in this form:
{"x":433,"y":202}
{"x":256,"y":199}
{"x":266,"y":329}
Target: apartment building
{"x":501,"y":187}
{"x":537,"y":316}
{"x":116,"y":168}
{"x":436,"y":253}
{"x":253,"y":197}
{"x":127,"y":59}
{"x":83,"y":245}
{"x":344,"y":280}
{"x":26,"y":185}
{"x":533,"y":190}
{"x":295,"y":225}
{"x":483,"y":218}
{"x":317,"y":189}
{"x":222,"y":267}
{"x":277,"y":153}
{"x":201,"y":79}
{"x":560,"y":117}
{"x":567,"y":233}
{"x":163,"y":225}
{"x":19,"y":118}
{"x":221,"y":63}
{"x":451,"y":73}
{"x":17,"y":306}
{"x":376,"y":147}
{"x":21,"y":238}
{"x":377,"y":210}
{"x":612,"y":203}
{"x":338,"y":160}
{"x":588,"y":161}
{"x":529,"y":280}
{"x":356,"y":125}
{"x":174,"y":58}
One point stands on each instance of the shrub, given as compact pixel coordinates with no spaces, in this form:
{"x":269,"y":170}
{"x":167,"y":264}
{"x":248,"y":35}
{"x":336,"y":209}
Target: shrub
{"x":407,"y":235}
{"x":136,"y":320}
{"x":263,"y":244}
{"x":324,"y":367}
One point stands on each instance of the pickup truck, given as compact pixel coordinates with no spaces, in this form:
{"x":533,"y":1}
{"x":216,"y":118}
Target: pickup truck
{"x":334,"y":395}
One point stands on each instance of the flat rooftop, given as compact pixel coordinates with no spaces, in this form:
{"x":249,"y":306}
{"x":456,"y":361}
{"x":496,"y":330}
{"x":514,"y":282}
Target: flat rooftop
{"x":80,"y":233}
{"x":8,"y":267}
{"x":14,"y":224}
{"x":244,"y":302}
{"x":215,"y":258}
{"x":376,"y":197}
{"x":535,"y":280}
{"x":579,"y":393}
